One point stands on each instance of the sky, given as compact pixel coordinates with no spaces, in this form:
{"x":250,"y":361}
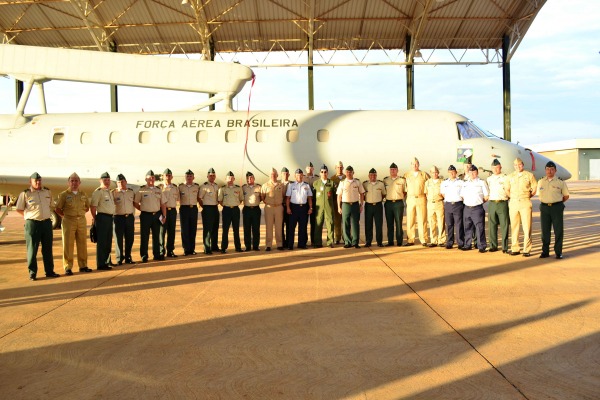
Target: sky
{"x":555,"y":83}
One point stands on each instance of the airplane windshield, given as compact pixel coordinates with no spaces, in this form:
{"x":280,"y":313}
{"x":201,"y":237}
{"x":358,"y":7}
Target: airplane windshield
{"x":468,"y":130}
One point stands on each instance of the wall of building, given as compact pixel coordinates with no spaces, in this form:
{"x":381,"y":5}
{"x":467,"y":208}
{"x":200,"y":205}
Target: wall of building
{"x":589,"y":164}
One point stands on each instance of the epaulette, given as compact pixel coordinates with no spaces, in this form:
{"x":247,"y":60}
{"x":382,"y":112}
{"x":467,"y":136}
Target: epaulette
{"x":194,"y":184}
{"x":130,"y":189}
{"x":236,"y":185}
{"x":365,"y":181}
{"x":386,"y":177}
{"x":27,"y":190}
{"x":379,"y":181}
{"x":143,"y":186}
{"x":45,"y":188}
{"x":99,"y":188}
{"x":206,"y":183}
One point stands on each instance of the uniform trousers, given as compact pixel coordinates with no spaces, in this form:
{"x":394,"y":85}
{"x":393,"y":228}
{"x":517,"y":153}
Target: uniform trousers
{"x":251,"y":217}
{"x":37,"y":232}
{"x":551,"y":216}
{"x":150,"y":221}
{"x":312,"y":218}
{"x":520,"y":213}
{"x":298,"y":217}
{"x":273,"y":221}
{"x":104,"y":231}
{"x":168,"y":229}
{"x":350,"y":222}
{"x":437,"y":226}
{"x":74,"y":232}
{"x":474,"y":220}
{"x":123,"y":232}
{"x":498,"y":216}
{"x":323,"y":216}
{"x":337,"y":223}
{"x":394,"y":211}
{"x":453,"y":214}
{"x":285,"y":224}
{"x":188,"y":223}
{"x":416,"y":213}
{"x":210,"y":228}
{"x":231,"y":218}
{"x":374,"y":213}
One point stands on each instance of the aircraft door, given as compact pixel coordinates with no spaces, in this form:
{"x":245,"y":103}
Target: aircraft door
{"x":58,"y":143}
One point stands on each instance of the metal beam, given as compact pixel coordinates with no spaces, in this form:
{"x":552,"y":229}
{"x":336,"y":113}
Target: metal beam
{"x":506,"y":86}
{"x":311,"y":31}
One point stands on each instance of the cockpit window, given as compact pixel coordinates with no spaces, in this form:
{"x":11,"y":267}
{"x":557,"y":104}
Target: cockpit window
{"x":468,"y":130}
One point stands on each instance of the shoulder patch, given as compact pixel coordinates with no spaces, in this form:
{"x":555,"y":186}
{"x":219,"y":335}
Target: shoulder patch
{"x":99,"y":189}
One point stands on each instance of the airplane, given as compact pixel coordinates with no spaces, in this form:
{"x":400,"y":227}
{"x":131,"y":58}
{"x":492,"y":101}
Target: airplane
{"x":257,"y":141}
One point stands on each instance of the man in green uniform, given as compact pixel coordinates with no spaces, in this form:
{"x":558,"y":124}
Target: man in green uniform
{"x":102,"y":207}
{"x":323,"y":209}
{"x":553,"y":193}
{"x":498,"y":207}
{"x":210,"y":213}
{"x":230,"y":197}
{"x":35,"y":205}
{"x":374,"y":195}
{"x":72,"y":205}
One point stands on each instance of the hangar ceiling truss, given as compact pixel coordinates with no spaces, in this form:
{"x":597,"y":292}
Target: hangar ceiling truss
{"x":440,"y":31}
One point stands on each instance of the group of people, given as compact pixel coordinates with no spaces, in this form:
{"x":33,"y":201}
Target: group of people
{"x":444,"y":210}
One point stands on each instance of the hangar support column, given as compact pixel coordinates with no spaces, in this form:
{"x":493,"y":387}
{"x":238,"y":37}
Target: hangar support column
{"x":410,"y":77}
{"x":18,"y":91}
{"x":506,"y":87}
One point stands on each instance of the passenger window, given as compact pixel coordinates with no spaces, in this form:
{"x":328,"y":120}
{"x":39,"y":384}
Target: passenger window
{"x":58,"y":138}
{"x":292,"y":135}
{"x":201,"y":136}
{"x":172,"y":137}
{"x":115,"y":138}
{"x":86,"y":138}
{"x":144,"y":137}
{"x":261,"y":136}
{"x":231,"y":136}
{"x":323,"y":135}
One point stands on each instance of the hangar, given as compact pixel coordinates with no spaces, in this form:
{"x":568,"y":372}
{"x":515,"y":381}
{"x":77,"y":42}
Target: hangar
{"x":426,"y":31}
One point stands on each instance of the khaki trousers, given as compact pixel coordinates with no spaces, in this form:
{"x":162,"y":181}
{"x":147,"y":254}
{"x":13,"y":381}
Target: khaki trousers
{"x":520,"y":213}
{"x":74,"y":230}
{"x":416,"y":213}
{"x":437,"y":225}
{"x":273,"y":220}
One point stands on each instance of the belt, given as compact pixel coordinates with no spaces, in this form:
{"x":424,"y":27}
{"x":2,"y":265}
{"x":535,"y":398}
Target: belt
{"x":435,"y":201}
{"x":209,"y":205}
{"x":230,"y":206}
{"x":373,"y":204}
{"x":110,"y":215}
{"x":298,"y":204}
{"x":416,"y":197}
{"x":122,"y":215}
{"x":347,"y":202}
{"x":392,"y":201}
{"x":273,"y":205}
{"x":498,"y":201}
{"x":478,"y":205}
{"x":171,"y":208}
{"x":150,"y":212}
{"x":39,"y":220}
{"x":453,"y":202}
{"x":250,"y":206}
{"x":188,"y":205}
{"x":550,"y":204}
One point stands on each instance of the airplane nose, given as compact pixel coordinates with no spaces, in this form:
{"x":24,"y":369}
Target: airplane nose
{"x":562,"y":173}
{"x":541,"y":162}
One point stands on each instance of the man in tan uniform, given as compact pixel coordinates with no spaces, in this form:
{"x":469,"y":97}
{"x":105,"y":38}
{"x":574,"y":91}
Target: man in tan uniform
{"x":167,"y":228}
{"x":337,"y":216}
{"x":416,"y":204}
{"x":124,"y":220}
{"x":72,"y":205}
{"x":210,"y":212}
{"x":230,"y":196}
{"x":520,"y":187}
{"x":35,"y":205}
{"x":553,"y":193}
{"x":395,"y":193}
{"x":272,"y":194}
{"x":350,"y":200}
{"x":251,"y":212}
{"x":374,"y":194}
{"x":102,"y":208}
{"x":188,"y":213}
{"x":435,"y":209}
{"x":151,"y":202}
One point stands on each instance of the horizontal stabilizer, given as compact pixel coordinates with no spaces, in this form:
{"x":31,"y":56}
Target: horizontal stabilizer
{"x":27,"y":63}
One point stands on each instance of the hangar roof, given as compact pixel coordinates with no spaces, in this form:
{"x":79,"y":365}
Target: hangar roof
{"x":221,"y":26}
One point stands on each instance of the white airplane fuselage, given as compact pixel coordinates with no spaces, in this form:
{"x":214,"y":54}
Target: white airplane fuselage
{"x":55,"y":145}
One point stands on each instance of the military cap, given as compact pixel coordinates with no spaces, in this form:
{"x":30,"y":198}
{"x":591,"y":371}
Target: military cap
{"x":167,"y":172}
{"x":550,"y":164}
{"x":349,"y":168}
{"x":189,"y":172}
{"x":74,"y":176}
{"x":393,"y":165}
{"x":105,"y":175}
{"x":273,"y":170}
{"x":35,"y":175}
{"x":121,"y":177}
{"x":415,"y":160}
{"x":473,"y":168}
{"x":451,"y":168}
{"x":518,"y":161}
{"x":324,"y":168}
{"x":310,"y":164}
{"x":211,"y":171}
{"x":284,"y":169}
{"x":299,"y":171}
{"x":372,"y":171}
{"x":249,"y":174}
{"x":434,"y":169}
{"x":229,"y":174}
{"x":339,"y":163}
{"x":150,"y":173}
{"x":496,"y":162}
